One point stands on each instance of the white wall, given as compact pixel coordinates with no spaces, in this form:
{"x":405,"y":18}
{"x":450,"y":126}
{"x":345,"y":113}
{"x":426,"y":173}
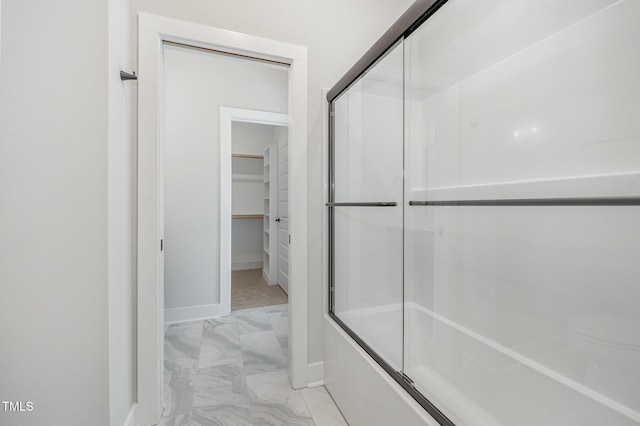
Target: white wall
{"x":247,"y":193}
{"x":121,"y":214}
{"x":196,"y":84}
{"x":336,"y":33}
{"x":54,"y":329}
{"x":251,"y":138}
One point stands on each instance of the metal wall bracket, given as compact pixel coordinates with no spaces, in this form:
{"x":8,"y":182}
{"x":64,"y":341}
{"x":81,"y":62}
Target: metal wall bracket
{"x":124,"y":76}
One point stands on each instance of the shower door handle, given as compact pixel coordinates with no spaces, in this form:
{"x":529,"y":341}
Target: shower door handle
{"x":364,"y":204}
{"x":533,"y":202}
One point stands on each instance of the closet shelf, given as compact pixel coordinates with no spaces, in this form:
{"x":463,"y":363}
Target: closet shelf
{"x":247,"y":156}
{"x":247,"y":216}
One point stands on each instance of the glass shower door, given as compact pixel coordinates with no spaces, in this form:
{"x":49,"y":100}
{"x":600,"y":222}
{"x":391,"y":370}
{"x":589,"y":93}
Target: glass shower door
{"x":522,"y":214}
{"x":365,"y":208}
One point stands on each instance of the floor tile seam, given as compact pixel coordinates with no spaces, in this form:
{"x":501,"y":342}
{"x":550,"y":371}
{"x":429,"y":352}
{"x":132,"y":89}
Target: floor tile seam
{"x":180,"y":412}
{"x":253,"y":319}
{"x":200,"y":345}
{"x":255,"y":332}
{"x":175,"y":362}
{"x":271,"y":322}
{"x":217,"y":336}
{"x":285,"y":369}
{"x":220,"y":346}
{"x":254,"y":355}
{"x":296,"y":392}
{"x":266,"y":404}
{"x":183,"y":324}
{"x":255,"y":335}
{"x":249,"y":309}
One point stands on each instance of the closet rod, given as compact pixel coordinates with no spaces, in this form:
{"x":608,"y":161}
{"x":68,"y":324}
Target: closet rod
{"x":247,"y":216}
{"x":576,"y":201}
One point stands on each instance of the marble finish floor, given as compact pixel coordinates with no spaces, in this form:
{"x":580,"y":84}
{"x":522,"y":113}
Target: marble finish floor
{"x":249,"y":290}
{"x":233,"y":371}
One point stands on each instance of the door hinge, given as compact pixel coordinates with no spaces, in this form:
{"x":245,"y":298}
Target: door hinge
{"x":162,"y":245}
{"x":289,"y":238}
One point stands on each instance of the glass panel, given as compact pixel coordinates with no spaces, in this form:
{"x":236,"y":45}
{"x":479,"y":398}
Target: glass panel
{"x":367,"y":245}
{"x":368,"y":135}
{"x":524,"y":315}
{"x":368,"y":276}
{"x":510,"y":92}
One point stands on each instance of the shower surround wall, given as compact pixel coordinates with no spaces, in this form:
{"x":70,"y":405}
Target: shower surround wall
{"x":497,"y":313}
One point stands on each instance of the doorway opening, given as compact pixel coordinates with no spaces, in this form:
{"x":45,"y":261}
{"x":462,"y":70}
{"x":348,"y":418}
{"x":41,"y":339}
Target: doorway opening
{"x":154,"y":33}
{"x":222,"y":216}
{"x":260,"y":213}
{"x":211,"y":172}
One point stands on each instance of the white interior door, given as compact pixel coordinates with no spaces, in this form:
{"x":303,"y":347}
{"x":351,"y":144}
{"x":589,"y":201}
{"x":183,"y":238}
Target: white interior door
{"x":270,"y":242}
{"x":283,"y":208}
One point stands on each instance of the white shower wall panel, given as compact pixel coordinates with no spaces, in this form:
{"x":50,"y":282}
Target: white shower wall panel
{"x":564,"y":107}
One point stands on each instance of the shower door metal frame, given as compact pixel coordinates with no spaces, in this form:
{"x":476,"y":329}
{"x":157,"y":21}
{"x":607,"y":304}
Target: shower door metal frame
{"x":413,"y":18}
{"x":417,"y":14}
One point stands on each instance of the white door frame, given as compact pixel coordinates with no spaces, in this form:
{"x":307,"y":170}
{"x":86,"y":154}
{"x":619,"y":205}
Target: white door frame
{"x":227,"y":117}
{"x":153,"y":30}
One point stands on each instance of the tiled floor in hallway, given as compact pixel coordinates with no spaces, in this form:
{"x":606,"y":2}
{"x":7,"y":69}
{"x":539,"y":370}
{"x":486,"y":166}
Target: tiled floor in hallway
{"x":232,"y":371}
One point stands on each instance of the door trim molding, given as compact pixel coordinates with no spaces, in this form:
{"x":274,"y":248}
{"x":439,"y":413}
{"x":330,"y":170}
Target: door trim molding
{"x":153,"y":31}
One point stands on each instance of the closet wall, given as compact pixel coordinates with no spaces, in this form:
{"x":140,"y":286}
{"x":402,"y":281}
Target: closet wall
{"x":247,"y":193}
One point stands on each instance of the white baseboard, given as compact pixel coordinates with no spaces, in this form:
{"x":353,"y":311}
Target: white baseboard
{"x":246,"y":264}
{"x":315,"y":374}
{"x":191,"y":313}
{"x":132,"y":418}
